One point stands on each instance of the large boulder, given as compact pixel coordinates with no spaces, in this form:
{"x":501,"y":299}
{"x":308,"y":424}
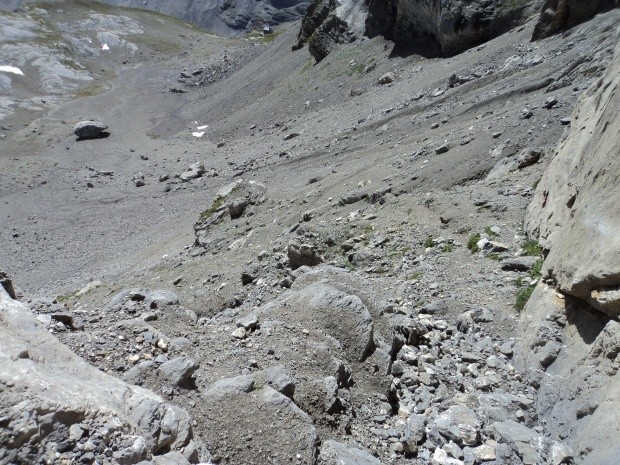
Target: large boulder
{"x":575,"y":212}
{"x":337,"y":453}
{"x":236,"y":407}
{"x":53,"y":400}
{"x":557,"y":15}
{"x":89,"y":129}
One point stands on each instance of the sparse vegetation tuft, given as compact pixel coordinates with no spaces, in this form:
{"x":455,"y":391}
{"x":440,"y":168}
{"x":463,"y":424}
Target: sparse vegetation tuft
{"x":532,"y":248}
{"x":522,"y":298}
{"x":428,"y":242}
{"x":472,"y":243}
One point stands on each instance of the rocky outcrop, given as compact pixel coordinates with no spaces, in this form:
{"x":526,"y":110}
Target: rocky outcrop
{"x":328,"y":23}
{"x":575,"y":211}
{"x":557,"y":15}
{"x":56,"y":405}
{"x":429,"y":28}
{"x":570,"y":339}
{"x":231,"y":201}
{"x":435,"y":27}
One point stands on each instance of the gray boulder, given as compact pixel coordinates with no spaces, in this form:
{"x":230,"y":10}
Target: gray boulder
{"x":89,"y":129}
{"x":179,"y":371}
{"x":303,"y":255}
{"x":234,"y":406}
{"x":525,"y":442}
{"x":460,"y":424}
{"x":337,"y":453}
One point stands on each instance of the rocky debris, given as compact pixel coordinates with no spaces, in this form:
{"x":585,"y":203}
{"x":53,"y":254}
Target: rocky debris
{"x":443,"y":148}
{"x":558,"y":15}
{"x":89,"y":129}
{"x":519,"y":263}
{"x":278,"y":378}
{"x":336,"y":453}
{"x":62,"y":404}
{"x":460,"y":424}
{"x":138,"y":179}
{"x":303,"y":255}
{"x":194,"y":171}
{"x":227,"y":19}
{"x":407,"y":356}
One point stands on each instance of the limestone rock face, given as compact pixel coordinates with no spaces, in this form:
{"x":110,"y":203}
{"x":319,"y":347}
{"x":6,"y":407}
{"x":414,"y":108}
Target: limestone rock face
{"x":435,"y":27}
{"x":331,"y":22}
{"x":570,"y":340}
{"x":429,"y":27}
{"x":557,"y":15}
{"x":44,"y":384}
{"x":575,"y":211}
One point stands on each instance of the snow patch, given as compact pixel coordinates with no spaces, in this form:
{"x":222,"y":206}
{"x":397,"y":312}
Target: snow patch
{"x":200,"y":128}
{"x":198,"y":134}
{"x":11,"y":69}
{"x":105,"y":47}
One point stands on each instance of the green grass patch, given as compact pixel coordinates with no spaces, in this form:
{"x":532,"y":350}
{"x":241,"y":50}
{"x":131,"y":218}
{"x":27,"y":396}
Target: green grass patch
{"x":416,"y":275}
{"x":428,"y":242}
{"x":472,"y":243}
{"x":490,"y":232}
{"x":494,"y":256}
{"x":536,"y":271}
{"x":448,"y":248}
{"x":215,"y":206}
{"x":61,"y":299}
{"x":532,"y":248}
{"x":522,"y":297}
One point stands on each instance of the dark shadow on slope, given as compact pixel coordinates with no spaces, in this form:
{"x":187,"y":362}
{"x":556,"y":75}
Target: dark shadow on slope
{"x":103,"y":135}
{"x":588,"y":322}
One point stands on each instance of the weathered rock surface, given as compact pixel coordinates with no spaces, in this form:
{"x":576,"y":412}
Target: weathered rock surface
{"x":336,"y":453}
{"x":89,"y":129}
{"x":435,"y":27}
{"x":328,"y":23}
{"x":572,"y":337}
{"x":48,"y":390}
{"x":234,"y":405}
{"x":576,"y":202}
{"x":557,"y":15}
